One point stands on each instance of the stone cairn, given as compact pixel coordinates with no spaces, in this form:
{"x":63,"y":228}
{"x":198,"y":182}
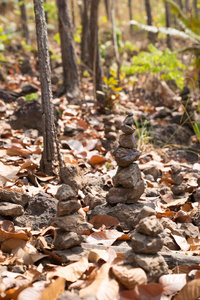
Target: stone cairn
{"x":67,"y":221}
{"x":111,"y":128}
{"x":146,"y":242}
{"x":179,"y":187}
{"x":128,"y":185}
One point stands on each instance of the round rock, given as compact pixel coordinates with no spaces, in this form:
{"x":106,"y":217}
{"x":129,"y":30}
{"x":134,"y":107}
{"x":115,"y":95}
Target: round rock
{"x":127,"y":141}
{"x":127,"y":177}
{"x":125,"y":156}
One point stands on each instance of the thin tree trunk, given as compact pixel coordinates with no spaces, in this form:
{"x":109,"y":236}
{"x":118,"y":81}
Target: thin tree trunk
{"x":69,"y":61}
{"x":151,"y":35}
{"x":195,"y":7}
{"x":107,"y":6}
{"x":85,"y":33}
{"x":24,"y":21}
{"x":73,"y":14}
{"x":168,"y":24}
{"x":115,"y":39}
{"x":130,"y":15}
{"x":95,"y":59}
{"x":48,"y":154}
{"x":187,"y":6}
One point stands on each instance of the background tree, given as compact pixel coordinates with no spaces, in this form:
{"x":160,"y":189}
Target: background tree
{"x":168,"y":24}
{"x":107,"y":6}
{"x":130,"y":15}
{"x":85,"y":33}
{"x":95,"y":58}
{"x":24,"y":21}
{"x":48,"y":154}
{"x":151,"y":35}
{"x":69,"y":61}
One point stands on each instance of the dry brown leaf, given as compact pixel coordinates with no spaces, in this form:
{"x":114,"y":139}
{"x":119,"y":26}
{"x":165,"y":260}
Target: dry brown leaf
{"x":108,"y":221}
{"x":181,"y":241}
{"x":8,"y":245}
{"x":194,"y":244}
{"x":167,"y":214}
{"x":97,"y":159}
{"x":106,"y":237}
{"x":8,"y":173}
{"x":34,"y":292}
{"x":7,"y":231}
{"x":71,"y":272}
{"x":191,"y":291}
{"x":182,"y":217}
{"x":29,"y":165}
{"x":129,"y":276}
{"x":172,"y":283}
{"x":55,"y":288}
{"x":103,"y":287}
{"x":96,"y":254}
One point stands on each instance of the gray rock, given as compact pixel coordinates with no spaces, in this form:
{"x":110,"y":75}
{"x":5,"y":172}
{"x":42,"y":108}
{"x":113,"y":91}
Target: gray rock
{"x":154,"y":265}
{"x":196,"y":195}
{"x":176,"y":169}
{"x":14,"y":197}
{"x":127,"y":129}
{"x":67,"y":295}
{"x":17,"y":269}
{"x":126,"y":214}
{"x":73,"y":223}
{"x":179,"y":188}
{"x":67,"y":207}
{"x":141,"y":243}
{"x":65,"y":240}
{"x":150,"y":226}
{"x":146,"y":211}
{"x":31,"y":133}
{"x":111,"y":136}
{"x":129,"y":120}
{"x":72,"y":175}
{"x":127,"y":141}
{"x":72,"y":129}
{"x":41,"y":208}
{"x":93,"y":199}
{"x":127,"y":177}
{"x":167,"y":223}
{"x":70,"y":255}
{"x":122,"y":195}
{"x":178,"y":178}
{"x":169,"y":242}
{"x":189,"y":230}
{"x":65,"y":192}
{"x":149,"y":178}
{"x":109,"y":128}
{"x":118,"y":123}
{"x":10,"y":209}
{"x":124,"y":156}
{"x":152,"y":171}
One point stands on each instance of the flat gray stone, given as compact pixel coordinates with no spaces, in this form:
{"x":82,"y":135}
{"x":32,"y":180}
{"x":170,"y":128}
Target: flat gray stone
{"x":67,"y":207}
{"x":127,"y":129}
{"x":127,"y":177}
{"x":124,"y":156}
{"x":141,"y":243}
{"x":65,"y":240}
{"x":129,"y":120}
{"x":72,"y":175}
{"x":65,"y":192}
{"x":146,"y":211}
{"x":178,"y":178}
{"x":123,"y":195}
{"x":10,"y":209}
{"x":127,"y":141}
{"x":179,"y":188}
{"x":150,"y":226}
{"x":74,"y":223}
{"x":14,"y":197}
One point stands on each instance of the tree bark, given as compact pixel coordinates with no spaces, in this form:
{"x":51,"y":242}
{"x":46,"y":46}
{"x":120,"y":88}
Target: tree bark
{"x":130,"y":16}
{"x":48,"y":154}
{"x":69,"y":61}
{"x":24,"y":21}
{"x":187,"y":6}
{"x":151,"y":35}
{"x":116,"y":50}
{"x":195,"y":7}
{"x":107,"y":6}
{"x":168,"y":24}
{"x":95,"y":59}
{"x":85,"y":33}
{"x":73,"y":14}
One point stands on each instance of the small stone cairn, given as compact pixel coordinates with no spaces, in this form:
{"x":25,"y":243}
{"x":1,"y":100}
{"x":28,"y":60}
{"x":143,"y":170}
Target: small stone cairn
{"x":128,"y":185}
{"x":179,"y":187}
{"x":67,"y":221}
{"x":146,"y":242}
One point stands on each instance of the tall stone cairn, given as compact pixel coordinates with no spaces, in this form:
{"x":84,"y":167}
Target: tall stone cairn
{"x":128,"y":185}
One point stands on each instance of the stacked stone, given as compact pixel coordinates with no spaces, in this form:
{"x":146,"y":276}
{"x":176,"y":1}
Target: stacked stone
{"x":128,"y":185}
{"x":179,"y":187}
{"x":69,"y":223}
{"x":146,"y":242}
{"x":111,"y":127}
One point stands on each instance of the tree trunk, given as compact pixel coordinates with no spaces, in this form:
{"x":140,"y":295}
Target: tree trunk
{"x":95,"y":59}
{"x":130,"y":15}
{"x":115,"y":39}
{"x":168,"y":24}
{"x":46,"y":14}
{"x":69,"y":61}
{"x":107,"y":6}
{"x":48,"y":154}
{"x":195,"y":7}
{"x":151,"y":35}
{"x":24,"y":21}
{"x":85,"y":33}
{"x":73,"y":14}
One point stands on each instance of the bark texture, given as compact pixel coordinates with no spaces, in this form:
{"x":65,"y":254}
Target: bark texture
{"x":85,"y":33}
{"x":24,"y":21}
{"x":151,"y":35}
{"x":48,"y":154}
{"x":168,"y":24}
{"x":130,"y":15}
{"x":69,"y":61}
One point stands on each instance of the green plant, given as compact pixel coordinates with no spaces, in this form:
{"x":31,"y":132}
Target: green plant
{"x":164,"y":63}
{"x":31,"y":96}
{"x":143,"y":133}
{"x":111,"y":90}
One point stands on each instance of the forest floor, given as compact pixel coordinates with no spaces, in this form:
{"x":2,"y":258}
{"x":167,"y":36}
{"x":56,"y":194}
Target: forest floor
{"x":39,"y":258}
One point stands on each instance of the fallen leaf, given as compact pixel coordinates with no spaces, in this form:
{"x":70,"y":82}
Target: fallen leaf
{"x":172,"y":283}
{"x":108,"y":221}
{"x":54,"y":289}
{"x":191,"y":291}
{"x":103,"y":287}
{"x":129,"y":276}
{"x":181,"y":241}
{"x":106,"y":237}
{"x":96,"y":254}
{"x":97,"y":159}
